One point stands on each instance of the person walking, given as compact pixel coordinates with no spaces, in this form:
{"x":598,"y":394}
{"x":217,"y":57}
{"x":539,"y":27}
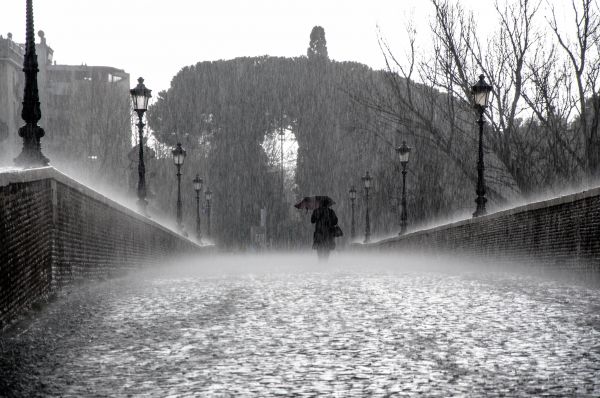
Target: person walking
{"x":326,"y":229}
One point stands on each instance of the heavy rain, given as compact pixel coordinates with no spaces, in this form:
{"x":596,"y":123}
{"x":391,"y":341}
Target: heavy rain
{"x":342,"y":199}
{"x":285,"y":325}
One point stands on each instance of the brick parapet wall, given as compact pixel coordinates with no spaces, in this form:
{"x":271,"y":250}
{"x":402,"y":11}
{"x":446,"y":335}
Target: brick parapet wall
{"x":54,"y":231}
{"x":562,"y":232}
{"x":25,"y":257}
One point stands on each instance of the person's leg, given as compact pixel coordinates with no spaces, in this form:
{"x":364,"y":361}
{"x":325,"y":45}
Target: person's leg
{"x":323,"y":254}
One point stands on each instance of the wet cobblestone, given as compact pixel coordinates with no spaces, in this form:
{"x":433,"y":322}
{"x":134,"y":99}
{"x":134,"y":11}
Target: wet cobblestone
{"x":235,"y":328}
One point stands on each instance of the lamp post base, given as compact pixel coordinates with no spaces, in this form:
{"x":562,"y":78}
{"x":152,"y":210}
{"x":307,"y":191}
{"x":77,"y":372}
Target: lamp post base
{"x":31,"y":159}
{"x":31,"y":156}
{"x":182,"y":231}
{"x":143,"y":207}
{"x":480,"y":211}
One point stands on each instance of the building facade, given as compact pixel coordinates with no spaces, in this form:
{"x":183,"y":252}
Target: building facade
{"x":11,"y":96}
{"x":85,"y":112}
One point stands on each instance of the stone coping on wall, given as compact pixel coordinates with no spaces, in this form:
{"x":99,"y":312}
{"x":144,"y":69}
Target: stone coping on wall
{"x":569,"y":198}
{"x":12,"y":176}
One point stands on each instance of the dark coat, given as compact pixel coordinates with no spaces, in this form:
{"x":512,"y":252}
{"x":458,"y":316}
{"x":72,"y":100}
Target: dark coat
{"x":324,"y":219}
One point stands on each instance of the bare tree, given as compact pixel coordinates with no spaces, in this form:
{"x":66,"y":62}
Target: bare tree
{"x":581,"y":47}
{"x":544,"y":106}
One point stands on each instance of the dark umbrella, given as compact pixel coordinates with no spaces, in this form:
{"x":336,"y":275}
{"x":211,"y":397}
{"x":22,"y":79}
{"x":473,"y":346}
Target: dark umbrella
{"x":314,"y":202}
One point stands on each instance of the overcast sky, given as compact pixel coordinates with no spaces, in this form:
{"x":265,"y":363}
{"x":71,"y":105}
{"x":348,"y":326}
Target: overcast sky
{"x":155,"y":39}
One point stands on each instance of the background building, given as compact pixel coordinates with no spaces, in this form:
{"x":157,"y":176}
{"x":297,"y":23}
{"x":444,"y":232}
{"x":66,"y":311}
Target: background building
{"x":11,"y":95}
{"x":85,"y":112}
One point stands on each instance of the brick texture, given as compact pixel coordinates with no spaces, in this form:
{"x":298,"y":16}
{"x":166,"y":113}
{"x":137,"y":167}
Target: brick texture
{"x":560,"y":233}
{"x":25,"y":245}
{"x":54,"y":232}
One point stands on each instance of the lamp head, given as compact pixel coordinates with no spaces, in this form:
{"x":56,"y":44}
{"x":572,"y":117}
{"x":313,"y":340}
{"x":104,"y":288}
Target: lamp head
{"x":178,"y":155}
{"x":481,"y":92}
{"x":367,"y":180}
{"x":197,"y":183}
{"x":403,"y":153}
{"x":352,"y":193}
{"x":140,"y":95}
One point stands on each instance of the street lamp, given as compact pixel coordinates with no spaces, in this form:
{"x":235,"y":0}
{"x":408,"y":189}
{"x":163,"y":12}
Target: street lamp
{"x":282,"y":138}
{"x":31,"y":155}
{"x":367,"y":182}
{"x":198,"y":187}
{"x":481,"y":93}
{"x":352,"y":201}
{"x":178,"y":159}
{"x":208,"y":195}
{"x":403,"y":154}
{"x":140,"y":96}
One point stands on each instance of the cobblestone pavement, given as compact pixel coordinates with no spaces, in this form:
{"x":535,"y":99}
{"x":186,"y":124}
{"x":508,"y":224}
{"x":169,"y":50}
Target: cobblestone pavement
{"x":231,"y":326}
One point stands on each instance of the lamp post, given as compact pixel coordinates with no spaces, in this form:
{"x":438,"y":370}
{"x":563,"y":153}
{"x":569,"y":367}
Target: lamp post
{"x":140,"y":96}
{"x":178,"y":159}
{"x":208,"y":195}
{"x":282,"y":138}
{"x":198,"y":187}
{"x":481,"y":93}
{"x":403,"y":154}
{"x":31,"y":155}
{"x":352,"y":202}
{"x":367,"y":182}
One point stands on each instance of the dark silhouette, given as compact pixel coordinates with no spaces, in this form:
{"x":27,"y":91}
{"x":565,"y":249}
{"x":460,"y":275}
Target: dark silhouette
{"x":325,"y":221}
{"x":31,"y":156}
{"x":314,"y":202}
{"x":317,"y":48}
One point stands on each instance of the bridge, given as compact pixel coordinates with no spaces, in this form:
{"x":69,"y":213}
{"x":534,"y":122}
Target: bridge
{"x":97,"y":299}
{"x":95,"y":302}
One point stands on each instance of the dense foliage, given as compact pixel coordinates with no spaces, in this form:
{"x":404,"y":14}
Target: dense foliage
{"x":224,"y":111}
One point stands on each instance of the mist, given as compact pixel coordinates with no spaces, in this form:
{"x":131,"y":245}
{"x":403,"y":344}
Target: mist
{"x":288,"y":324}
{"x":287,"y":141}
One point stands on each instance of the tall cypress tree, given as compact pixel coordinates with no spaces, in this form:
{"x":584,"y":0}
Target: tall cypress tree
{"x":317,"y":48}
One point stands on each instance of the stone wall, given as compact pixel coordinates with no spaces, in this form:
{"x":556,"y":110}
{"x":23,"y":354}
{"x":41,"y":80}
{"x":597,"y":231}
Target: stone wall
{"x":561,"y":232}
{"x":54,"y":231}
